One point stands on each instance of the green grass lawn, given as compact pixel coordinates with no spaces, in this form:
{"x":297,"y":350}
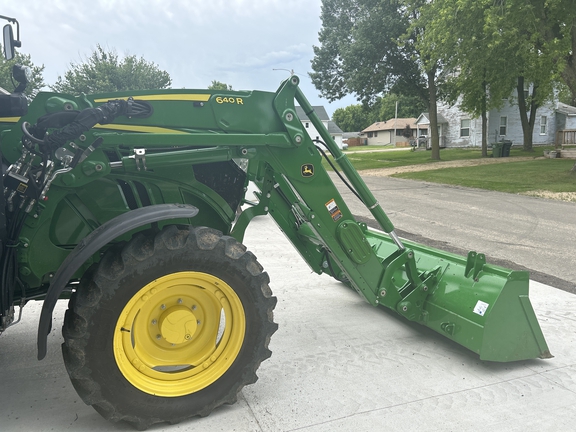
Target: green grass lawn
{"x":370,"y":159}
{"x":389,"y":159}
{"x":515,"y":177}
{"x":365,"y":148}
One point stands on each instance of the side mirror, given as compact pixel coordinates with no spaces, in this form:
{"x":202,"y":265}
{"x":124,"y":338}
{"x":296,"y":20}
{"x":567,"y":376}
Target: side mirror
{"x":9,"y":42}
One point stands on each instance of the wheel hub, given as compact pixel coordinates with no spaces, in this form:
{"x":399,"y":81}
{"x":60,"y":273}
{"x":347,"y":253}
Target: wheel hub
{"x":178,"y":324}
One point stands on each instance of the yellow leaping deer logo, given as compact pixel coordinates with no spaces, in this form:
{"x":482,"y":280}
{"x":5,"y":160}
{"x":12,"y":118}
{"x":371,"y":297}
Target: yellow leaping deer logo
{"x":307,"y":170}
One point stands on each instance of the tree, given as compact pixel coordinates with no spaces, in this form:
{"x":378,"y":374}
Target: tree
{"x":217,"y":85}
{"x":464,"y":35}
{"x":407,"y":132}
{"x":353,"y":118}
{"x":367,"y":48}
{"x":431,"y":68}
{"x":408,"y":106}
{"x":569,"y":72}
{"x":104,"y":72}
{"x":360,"y":52}
{"x":536,"y":59}
{"x":497,"y":48}
{"x":555,"y":24}
{"x":36,"y":82}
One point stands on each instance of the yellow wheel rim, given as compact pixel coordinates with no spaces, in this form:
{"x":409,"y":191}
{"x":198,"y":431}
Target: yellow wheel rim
{"x":179,"y":334}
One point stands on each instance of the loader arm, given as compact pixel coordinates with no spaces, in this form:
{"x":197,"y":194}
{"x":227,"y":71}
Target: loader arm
{"x":482,"y":307}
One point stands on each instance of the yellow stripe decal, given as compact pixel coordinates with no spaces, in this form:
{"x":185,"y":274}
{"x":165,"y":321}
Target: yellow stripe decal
{"x":135,"y":128}
{"x":166,"y":97}
{"x":127,"y":128}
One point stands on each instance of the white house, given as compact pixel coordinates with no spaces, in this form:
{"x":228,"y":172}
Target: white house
{"x":333,"y":129}
{"x":458,"y":129}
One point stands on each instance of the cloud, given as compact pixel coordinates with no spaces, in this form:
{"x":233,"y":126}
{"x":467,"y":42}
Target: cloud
{"x":289,"y":55}
{"x":239,"y":42}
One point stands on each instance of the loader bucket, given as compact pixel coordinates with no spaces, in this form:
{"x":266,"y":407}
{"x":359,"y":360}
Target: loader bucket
{"x":483,"y":307}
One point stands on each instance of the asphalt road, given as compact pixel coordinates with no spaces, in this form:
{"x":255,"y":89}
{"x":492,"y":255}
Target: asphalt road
{"x":515,"y":231}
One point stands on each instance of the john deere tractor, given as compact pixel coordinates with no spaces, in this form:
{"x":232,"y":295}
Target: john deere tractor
{"x":133,"y":205}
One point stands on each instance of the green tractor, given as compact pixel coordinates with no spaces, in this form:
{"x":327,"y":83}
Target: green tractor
{"x":133,"y":205}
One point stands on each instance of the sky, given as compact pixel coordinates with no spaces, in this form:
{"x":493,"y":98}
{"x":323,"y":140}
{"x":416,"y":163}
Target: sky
{"x":238,"y":42}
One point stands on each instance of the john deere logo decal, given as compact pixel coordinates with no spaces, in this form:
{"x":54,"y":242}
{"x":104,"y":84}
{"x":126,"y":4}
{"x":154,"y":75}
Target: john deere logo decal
{"x":307,"y":170}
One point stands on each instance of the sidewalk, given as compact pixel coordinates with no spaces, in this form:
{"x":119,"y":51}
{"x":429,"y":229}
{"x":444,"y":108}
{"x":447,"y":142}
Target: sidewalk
{"x":352,"y":151}
{"x":338,"y":364}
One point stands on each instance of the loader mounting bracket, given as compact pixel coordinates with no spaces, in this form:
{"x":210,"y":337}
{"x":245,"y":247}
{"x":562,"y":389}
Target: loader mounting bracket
{"x":474,"y":264}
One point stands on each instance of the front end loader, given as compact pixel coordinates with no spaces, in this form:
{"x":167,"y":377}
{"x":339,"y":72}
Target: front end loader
{"x":133,"y":205}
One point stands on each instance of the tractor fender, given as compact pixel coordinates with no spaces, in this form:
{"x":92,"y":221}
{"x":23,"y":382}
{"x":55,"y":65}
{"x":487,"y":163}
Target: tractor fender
{"x":90,"y":244}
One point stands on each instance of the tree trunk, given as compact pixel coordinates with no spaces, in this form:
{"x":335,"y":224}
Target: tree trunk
{"x":569,"y":72}
{"x":484,"y":122}
{"x":527,"y":123}
{"x":433,"y":112}
{"x":484,"y":134}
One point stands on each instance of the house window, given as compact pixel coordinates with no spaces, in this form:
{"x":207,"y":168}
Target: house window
{"x":375,"y":134}
{"x":369,"y":134}
{"x":503,"y":125}
{"x":543,"y":125}
{"x":307,"y":125}
{"x":465,"y":127}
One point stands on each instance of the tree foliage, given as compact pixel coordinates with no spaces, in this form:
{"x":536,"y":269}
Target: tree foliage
{"x":105,"y":71}
{"x":464,"y":35}
{"x":36,"y":82}
{"x":536,"y":58}
{"x":363,"y":51}
{"x":496,"y":49}
{"x":551,"y":27}
{"x":408,"y":106}
{"x":217,"y":85}
{"x":352,"y":118}
{"x":476,"y":52}
{"x":368,"y":48}
{"x":355,"y":118}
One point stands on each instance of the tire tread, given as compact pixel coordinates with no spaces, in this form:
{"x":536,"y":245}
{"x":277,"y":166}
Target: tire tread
{"x":94,"y":288}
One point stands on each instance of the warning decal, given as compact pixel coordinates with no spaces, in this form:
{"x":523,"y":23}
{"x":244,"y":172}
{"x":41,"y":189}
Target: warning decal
{"x":334,"y":210}
{"x":481,"y":307}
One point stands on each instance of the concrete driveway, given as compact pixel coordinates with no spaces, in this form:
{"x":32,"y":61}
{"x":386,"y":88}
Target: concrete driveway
{"x":338,"y":364}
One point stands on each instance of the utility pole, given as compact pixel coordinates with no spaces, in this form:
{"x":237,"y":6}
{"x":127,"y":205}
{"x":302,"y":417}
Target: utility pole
{"x":395,"y":119}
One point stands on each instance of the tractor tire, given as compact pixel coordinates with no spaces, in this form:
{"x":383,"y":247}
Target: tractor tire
{"x":168,"y":326}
